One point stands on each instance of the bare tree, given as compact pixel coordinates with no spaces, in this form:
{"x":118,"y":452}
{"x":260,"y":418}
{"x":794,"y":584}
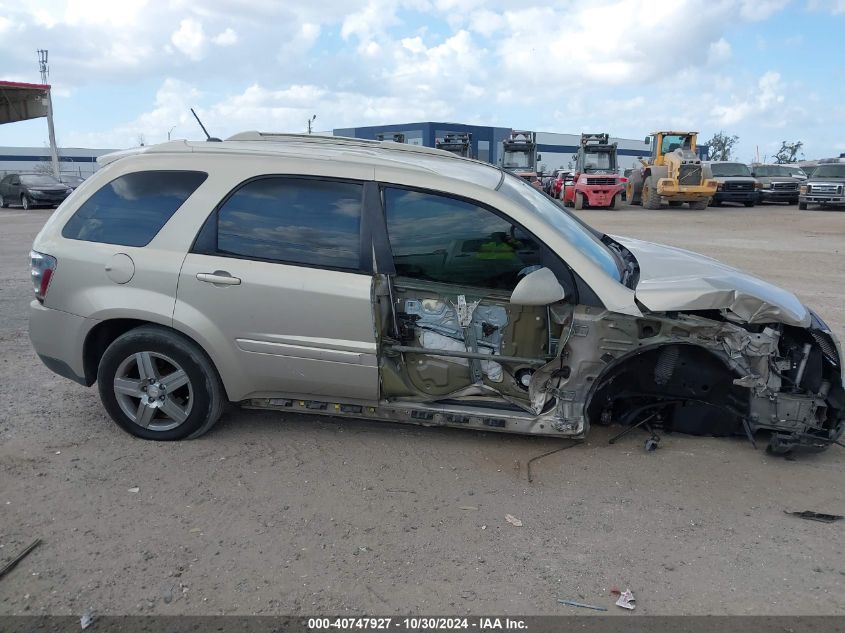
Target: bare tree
{"x":788,"y":152}
{"x":721,"y":145}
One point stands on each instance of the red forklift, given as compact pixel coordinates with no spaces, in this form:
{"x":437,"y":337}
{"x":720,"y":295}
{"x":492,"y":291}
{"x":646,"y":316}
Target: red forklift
{"x":596,"y":182}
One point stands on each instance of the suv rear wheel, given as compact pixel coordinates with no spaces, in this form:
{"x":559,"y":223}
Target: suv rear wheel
{"x":158,"y":385}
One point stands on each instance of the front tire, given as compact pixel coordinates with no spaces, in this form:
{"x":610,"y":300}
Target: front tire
{"x":158,"y":385}
{"x":25,"y":202}
{"x":699,"y":204}
{"x":750,"y":203}
{"x":650,"y":197}
{"x":3,"y":203}
{"x":802,"y":206}
{"x":617,"y":200}
{"x":579,"y":201}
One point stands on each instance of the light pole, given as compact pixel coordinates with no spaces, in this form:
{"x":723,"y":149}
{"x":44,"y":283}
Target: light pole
{"x":310,"y":121}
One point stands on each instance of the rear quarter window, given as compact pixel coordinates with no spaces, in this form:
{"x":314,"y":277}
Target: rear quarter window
{"x":131,"y":209}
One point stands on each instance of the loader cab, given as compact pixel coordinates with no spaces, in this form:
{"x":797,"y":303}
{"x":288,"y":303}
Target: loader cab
{"x":663,"y":143}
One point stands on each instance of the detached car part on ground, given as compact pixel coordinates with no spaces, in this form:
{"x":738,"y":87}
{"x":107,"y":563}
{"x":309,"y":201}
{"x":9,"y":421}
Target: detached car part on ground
{"x":374,"y":280}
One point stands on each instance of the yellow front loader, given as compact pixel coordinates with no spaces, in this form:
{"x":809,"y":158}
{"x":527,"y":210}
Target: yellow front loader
{"x":674,"y":171}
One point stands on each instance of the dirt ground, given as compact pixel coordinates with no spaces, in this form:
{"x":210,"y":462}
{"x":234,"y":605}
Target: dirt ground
{"x":287,"y":514}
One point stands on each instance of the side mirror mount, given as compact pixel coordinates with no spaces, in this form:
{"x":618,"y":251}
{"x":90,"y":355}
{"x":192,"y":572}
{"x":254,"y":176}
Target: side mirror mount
{"x":538,"y":288}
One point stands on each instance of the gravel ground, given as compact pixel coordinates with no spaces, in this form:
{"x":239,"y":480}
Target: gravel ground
{"x":287,"y":514}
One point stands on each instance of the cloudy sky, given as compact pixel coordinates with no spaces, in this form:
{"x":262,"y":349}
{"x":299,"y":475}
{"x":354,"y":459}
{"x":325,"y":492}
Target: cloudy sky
{"x":765,"y":70}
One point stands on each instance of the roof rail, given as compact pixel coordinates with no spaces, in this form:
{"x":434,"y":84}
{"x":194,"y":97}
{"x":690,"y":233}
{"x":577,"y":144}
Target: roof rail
{"x":281,"y":137}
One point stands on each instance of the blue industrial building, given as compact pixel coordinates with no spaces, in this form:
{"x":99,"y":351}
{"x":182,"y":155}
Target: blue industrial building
{"x":554,"y":150}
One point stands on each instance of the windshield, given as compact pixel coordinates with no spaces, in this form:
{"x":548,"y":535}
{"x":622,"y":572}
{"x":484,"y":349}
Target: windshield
{"x":829,"y":171}
{"x":566,"y":226}
{"x":796,"y":171}
{"x":515,"y":160}
{"x":599,"y":161}
{"x":72,"y":180}
{"x":729,"y":169}
{"x":38,"y":180}
{"x":671,"y":142}
{"x":772,"y":170}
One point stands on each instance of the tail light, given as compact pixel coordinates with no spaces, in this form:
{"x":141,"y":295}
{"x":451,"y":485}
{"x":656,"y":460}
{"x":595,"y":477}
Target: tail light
{"x":622,"y":180}
{"x":42,"y":268}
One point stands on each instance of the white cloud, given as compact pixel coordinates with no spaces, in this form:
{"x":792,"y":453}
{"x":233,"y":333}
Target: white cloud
{"x":760,"y":9}
{"x":226,"y":38}
{"x":833,"y":6}
{"x":720,"y":52}
{"x":190,"y":39}
{"x":615,"y":65}
{"x":766,"y":98}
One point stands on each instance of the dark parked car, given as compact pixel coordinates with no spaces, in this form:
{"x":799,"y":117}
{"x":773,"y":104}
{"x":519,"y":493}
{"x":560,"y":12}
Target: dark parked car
{"x":776,"y":183}
{"x":734,"y":183}
{"x":32,"y":190}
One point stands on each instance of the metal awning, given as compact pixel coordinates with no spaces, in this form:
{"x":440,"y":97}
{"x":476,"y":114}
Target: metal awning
{"x":22,"y":102}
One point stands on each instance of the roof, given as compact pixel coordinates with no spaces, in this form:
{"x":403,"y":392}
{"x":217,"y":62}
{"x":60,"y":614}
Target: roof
{"x":353,"y":150}
{"x":21,"y":101}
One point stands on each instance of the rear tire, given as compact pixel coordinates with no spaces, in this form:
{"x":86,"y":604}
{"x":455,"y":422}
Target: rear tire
{"x":749,"y":204}
{"x":3,"y":203}
{"x":617,"y":201}
{"x":158,"y":385}
{"x":699,"y":204}
{"x":579,"y":201}
{"x":802,"y":206}
{"x":650,"y":198}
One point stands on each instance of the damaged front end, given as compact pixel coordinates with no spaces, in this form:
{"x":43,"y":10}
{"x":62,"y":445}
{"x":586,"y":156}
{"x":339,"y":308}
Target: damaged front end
{"x":700,"y":373}
{"x":487,"y":362}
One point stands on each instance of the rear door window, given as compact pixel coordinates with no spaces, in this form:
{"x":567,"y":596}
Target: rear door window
{"x":131,"y":209}
{"x":289,"y":220}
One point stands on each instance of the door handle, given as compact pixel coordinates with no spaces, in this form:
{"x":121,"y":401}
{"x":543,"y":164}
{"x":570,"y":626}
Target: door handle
{"x":219,"y":278}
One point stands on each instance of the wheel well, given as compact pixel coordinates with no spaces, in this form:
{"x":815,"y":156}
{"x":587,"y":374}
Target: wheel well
{"x":689,"y":386}
{"x":104,"y":334}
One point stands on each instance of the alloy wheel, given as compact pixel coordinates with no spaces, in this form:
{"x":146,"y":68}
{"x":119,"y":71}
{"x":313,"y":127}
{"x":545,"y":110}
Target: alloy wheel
{"x":153,"y":391}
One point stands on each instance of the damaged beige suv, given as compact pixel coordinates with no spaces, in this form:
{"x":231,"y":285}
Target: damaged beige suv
{"x":384,"y":281}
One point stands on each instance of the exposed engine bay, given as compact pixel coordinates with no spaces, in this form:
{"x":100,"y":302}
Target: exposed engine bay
{"x":558,"y":369}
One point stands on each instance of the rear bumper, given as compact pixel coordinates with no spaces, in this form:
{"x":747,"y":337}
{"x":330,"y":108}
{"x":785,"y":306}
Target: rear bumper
{"x":57,"y":338}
